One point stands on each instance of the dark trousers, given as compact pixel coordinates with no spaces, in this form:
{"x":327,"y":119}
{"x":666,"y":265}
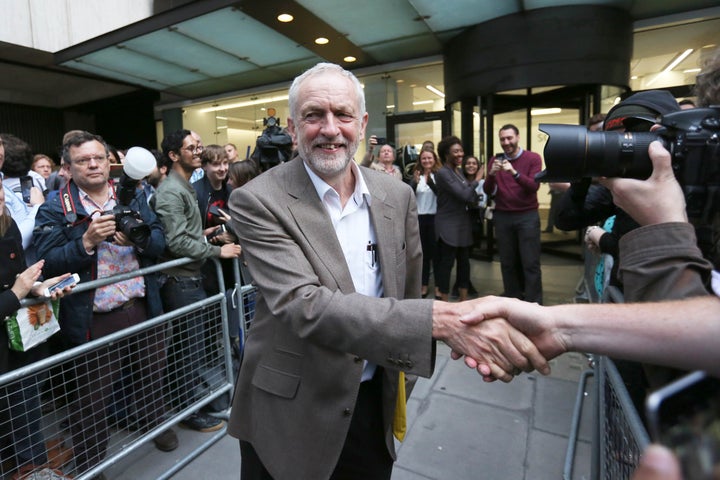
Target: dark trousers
{"x":364,"y":455}
{"x":448,"y":255}
{"x":187,"y":344}
{"x":97,"y":371}
{"x":426,"y":224}
{"x":518,"y":244}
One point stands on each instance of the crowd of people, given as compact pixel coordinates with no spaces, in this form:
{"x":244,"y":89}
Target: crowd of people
{"x":342,"y":258}
{"x":67,"y":222}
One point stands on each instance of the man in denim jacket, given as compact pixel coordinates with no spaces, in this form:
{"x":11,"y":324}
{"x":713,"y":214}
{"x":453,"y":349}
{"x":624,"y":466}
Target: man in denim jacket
{"x":75,"y":231}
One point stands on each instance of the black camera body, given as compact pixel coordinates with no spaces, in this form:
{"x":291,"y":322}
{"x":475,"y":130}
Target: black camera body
{"x":691,"y":136}
{"x":129,"y":222}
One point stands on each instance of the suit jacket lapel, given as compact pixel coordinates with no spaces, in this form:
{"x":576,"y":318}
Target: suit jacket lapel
{"x":314,"y":222}
{"x":383,"y":216}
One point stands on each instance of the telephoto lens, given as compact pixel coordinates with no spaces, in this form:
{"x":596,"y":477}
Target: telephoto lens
{"x":572,"y":152}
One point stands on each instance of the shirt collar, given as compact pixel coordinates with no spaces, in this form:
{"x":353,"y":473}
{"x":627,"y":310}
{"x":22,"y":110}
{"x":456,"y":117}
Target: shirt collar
{"x":322,"y":188}
{"x":520,"y":152}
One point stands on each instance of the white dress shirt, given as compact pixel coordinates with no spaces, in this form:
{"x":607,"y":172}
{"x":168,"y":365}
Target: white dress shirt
{"x":356,"y":235}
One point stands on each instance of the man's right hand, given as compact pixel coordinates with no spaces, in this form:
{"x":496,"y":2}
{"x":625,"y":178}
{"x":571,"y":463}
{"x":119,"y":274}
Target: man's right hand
{"x":493,"y":346}
{"x":100,"y":228}
{"x":497,"y":165}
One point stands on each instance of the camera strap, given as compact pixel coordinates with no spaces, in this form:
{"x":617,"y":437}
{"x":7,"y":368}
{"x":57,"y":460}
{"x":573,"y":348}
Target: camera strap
{"x":68,"y":203}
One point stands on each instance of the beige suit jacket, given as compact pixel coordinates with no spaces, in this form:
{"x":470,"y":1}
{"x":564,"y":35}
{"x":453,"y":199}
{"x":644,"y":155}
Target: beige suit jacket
{"x":303,"y":356}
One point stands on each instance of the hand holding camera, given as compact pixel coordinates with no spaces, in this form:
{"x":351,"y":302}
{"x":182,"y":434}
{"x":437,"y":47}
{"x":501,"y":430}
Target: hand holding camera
{"x":101,"y":227}
{"x":659,"y":199}
{"x":497,"y":164}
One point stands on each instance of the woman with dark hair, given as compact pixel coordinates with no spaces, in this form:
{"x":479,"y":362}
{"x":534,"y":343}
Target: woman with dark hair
{"x":423,"y":182}
{"x":18,"y":160}
{"x":452,"y":222}
{"x":473,"y":170}
{"x":241,"y":172}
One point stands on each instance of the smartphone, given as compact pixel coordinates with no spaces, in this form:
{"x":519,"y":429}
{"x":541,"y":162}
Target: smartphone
{"x":26,"y":183}
{"x":71,"y":280}
{"x":685,"y":416}
{"x":218,"y":231}
{"x":214,"y":210}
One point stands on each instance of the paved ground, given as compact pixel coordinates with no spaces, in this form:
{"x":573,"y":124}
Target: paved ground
{"x":459,"y":427}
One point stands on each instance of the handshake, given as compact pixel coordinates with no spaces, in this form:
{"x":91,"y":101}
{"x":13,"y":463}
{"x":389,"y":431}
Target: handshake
{"x":501,"y":337}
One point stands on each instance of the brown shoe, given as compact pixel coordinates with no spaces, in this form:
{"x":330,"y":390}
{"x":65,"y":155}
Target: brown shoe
{"x":167,"y":441}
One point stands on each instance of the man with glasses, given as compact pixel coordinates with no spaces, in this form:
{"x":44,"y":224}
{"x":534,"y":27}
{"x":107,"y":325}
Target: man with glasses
{"x":176,"y":204}
{"x":75,"y":231}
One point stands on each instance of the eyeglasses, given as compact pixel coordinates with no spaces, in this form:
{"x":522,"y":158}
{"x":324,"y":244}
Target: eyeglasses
{"x":194,"y":149}
{"x":83,"y":161}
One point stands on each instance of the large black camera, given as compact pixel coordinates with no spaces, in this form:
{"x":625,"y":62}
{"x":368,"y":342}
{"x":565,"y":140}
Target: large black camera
{"x":129,"y":222}
{"x":692,"y":137}
{"x":138,"y":165}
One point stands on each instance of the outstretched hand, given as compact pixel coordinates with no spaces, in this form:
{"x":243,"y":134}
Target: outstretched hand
{"x":532,"y":320}
{"x":501,"y":349}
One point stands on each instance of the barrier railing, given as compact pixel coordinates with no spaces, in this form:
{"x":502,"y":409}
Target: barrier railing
{"x":110,"y":396}
{"x":619,"y":436}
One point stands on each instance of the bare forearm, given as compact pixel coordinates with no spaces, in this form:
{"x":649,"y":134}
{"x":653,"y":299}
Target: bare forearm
{"x":681,"y":333}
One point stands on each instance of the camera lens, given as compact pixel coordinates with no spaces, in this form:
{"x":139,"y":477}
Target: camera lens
{"x":572,"y":152}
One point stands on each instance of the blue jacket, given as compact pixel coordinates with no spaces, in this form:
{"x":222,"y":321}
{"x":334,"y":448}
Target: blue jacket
{"x":59,"y":242}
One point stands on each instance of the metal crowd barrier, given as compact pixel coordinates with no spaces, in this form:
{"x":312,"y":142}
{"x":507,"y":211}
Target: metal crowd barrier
{"x":41,"y":402}
{"x":622,"y":437}
{"x":619,"y":436}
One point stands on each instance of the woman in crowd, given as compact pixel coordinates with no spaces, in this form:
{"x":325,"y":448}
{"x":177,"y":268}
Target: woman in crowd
{"x":473,"y":170}
{"x":239,"y":173}
{"x":18,"y":160}
{"x":115,"y":158}
{"x":20,"y":403}
{"x":452,"y":222}
{"x":423,"y":183}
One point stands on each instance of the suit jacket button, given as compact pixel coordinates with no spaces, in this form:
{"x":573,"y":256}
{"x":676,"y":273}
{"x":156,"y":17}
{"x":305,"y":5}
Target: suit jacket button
{"x":409,"y":364}
{"x":357,"y":359}
{"x":347,"y":412}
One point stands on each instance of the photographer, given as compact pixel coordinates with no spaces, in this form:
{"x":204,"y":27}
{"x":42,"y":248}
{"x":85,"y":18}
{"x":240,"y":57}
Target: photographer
{"x":274,"y":146}
{"x":75,"y":233}
{"x":659,"y":260}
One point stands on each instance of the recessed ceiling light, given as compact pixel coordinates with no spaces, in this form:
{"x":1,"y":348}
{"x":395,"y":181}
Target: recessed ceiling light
{"x":350,"y":59}
{"x":285,"y":18}
{"x":322,"y":41}
{"x":399,"y":80}
{"x":634,"y":77}
{"x":691,"y":70}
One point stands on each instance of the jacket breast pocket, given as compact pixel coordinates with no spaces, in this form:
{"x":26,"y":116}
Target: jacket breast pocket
{"x":276,"y":382}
